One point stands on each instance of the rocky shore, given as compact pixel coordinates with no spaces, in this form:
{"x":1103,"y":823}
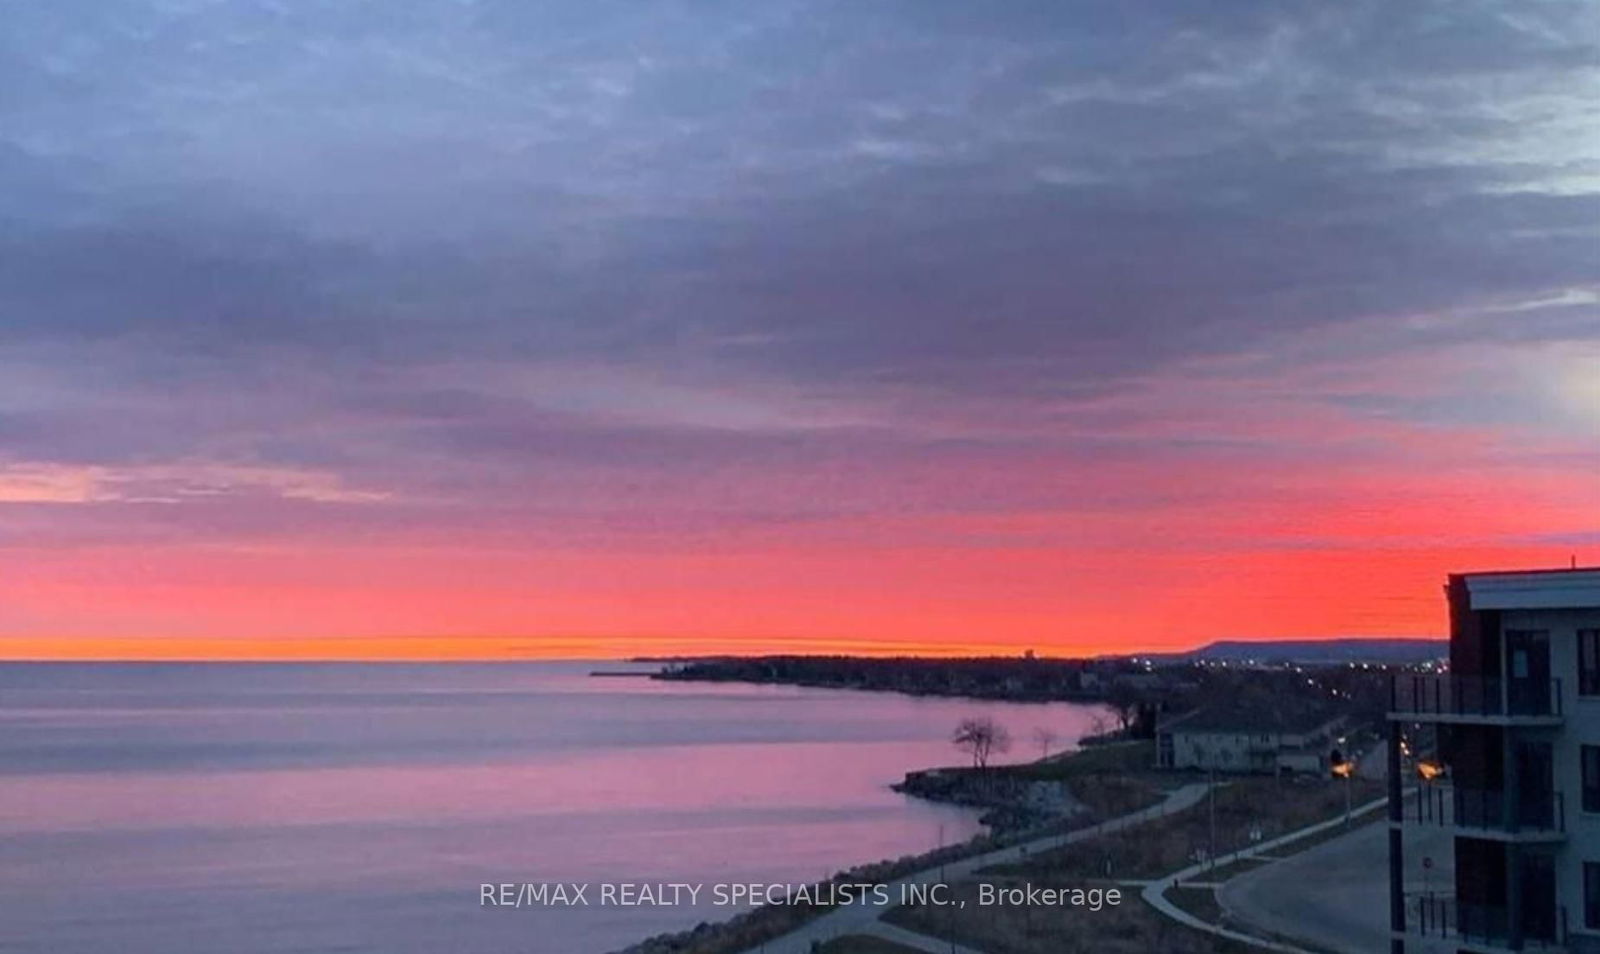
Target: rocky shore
{"x":1010,"y":803}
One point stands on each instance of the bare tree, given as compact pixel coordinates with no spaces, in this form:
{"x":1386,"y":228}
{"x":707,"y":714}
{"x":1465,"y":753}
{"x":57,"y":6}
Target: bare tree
{"x":981,"y":738}
{"x":1046,"y":737}
{"x":1124,"y":702}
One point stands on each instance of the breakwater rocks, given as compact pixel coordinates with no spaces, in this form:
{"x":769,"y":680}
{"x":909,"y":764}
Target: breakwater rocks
{"x":678,"y":942}
{"x":1011,"y":803}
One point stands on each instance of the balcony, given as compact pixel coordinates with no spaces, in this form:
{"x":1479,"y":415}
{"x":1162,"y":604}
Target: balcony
{"x":1539,"y":816}
{"x":1486,"y":926}
{"x":1420,"y":697}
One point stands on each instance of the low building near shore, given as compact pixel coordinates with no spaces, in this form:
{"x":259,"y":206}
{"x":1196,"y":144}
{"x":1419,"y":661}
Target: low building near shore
{"x":1250,"y":739}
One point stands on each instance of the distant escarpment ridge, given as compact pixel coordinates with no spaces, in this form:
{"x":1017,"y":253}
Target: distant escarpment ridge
{"x":1391,"y":652}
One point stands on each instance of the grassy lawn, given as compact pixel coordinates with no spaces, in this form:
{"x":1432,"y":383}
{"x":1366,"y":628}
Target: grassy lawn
{"x":1269,"y":806}
{"x":1115,"y":758}
{"x":1231,"y":868}
{"x":1110,"y":780}
{"x":1120,"y":758}
{"x":1312,"y":841}
{"x":1131,"y":927}
{"x":1108,"y":796}
{"x":1200,"y":902}
{"x":1224,"y":872}
{"x":865,"y":944}
{"x":1203,"y":904}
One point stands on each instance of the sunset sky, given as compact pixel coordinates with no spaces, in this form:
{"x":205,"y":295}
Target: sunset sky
{"x":502,"y":328}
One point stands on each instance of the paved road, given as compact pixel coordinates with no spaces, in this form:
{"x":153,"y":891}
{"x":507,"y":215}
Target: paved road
{"x":863,"y":918}
{"x":1336,"y":895}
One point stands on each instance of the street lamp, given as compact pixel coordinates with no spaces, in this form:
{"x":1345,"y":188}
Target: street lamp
{"x":1347,"y":771}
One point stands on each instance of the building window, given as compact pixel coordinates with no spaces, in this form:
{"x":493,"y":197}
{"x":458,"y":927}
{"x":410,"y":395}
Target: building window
{"x":1589,"y":662}
{"x":1591,"y":778}
{"x":1591,"y":895}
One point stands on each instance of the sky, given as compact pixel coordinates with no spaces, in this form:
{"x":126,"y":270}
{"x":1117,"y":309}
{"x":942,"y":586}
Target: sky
{"x":495,"y":328}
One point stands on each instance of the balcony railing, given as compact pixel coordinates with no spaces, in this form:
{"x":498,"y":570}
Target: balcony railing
{"x":1489,"y":810}
{"x":1447,"y":695}
{"x":1487,"y":925}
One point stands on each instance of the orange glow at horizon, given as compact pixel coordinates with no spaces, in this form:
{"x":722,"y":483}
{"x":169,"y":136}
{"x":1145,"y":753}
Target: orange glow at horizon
{"x":1330,"y":525}
{"x":447,"y":649}
{"x":1008,"y":603}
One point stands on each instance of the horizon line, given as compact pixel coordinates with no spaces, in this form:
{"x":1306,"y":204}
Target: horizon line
{"x":444,"y":649}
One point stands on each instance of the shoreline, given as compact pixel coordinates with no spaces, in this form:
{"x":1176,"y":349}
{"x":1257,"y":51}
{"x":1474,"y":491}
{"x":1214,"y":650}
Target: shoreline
{"x":760,"y":925}
{"x":851,"y":677}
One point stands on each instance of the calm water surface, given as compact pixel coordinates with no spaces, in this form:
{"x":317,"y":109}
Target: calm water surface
{"x":168,"y":808}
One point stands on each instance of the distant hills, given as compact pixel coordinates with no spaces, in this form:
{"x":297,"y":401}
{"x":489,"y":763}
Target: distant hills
{"x":1320,"y":652}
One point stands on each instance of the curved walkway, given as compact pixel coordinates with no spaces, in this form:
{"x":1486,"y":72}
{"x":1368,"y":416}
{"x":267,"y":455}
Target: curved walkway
{"x":1155,"y":893}
{"x":861,"y":918}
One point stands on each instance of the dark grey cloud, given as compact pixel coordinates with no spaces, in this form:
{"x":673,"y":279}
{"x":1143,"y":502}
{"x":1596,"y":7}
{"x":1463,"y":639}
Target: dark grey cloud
{"x":359,"y":237}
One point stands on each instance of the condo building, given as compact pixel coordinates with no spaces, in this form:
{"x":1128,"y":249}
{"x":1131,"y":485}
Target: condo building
{"x":1502,"y":754}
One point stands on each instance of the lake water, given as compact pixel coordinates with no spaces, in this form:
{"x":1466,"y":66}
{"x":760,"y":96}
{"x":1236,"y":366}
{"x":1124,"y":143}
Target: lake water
{"x":254,"y":808}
